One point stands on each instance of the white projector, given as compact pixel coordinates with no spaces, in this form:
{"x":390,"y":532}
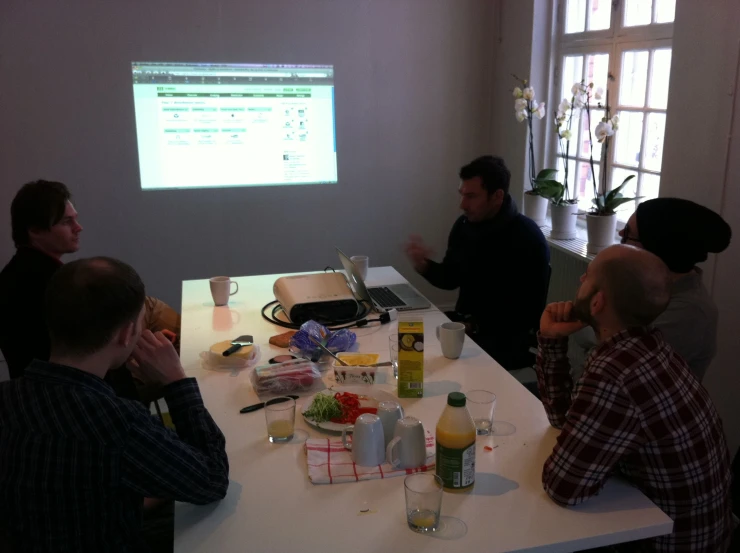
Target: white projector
{"x":322,"y":297}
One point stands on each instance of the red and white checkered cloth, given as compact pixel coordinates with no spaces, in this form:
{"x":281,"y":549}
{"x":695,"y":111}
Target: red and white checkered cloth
{"x":329,"y":463}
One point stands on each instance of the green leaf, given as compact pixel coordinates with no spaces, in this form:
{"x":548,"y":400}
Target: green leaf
{"x":616,"y":192}
{"x":615,"y":203}
{"x":546,"y":174}
{"x":550,"y":189}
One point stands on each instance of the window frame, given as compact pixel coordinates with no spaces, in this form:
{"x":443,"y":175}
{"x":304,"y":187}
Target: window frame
{"x":613,"y":41}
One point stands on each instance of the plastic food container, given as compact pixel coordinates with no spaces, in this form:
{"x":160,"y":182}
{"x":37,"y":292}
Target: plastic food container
{"x":358,"y":372}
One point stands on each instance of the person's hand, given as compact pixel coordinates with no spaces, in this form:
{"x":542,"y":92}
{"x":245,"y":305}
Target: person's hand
{"x":558,"y":320}
{"x":157,"y":360}
{"x":418,"y":253}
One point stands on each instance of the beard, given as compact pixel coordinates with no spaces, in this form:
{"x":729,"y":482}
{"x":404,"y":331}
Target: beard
{"x":582,"y":309}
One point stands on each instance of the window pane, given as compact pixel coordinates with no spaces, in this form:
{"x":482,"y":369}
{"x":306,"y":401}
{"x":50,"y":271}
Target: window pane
{"x":665,"y":11}
{"x":659,"y":79}
{"x":585,"y":184}
{"x":618,"y":176}
{"x":634,"y":78}
{"x":572,"y":73}
{"x":625,"y":211}
{"x":596,"y":116}
{"x":575,"y":16}
{"x":650,"y":186}
{"x":637,"y":12}
{"x":597,"y":70}
{"x":653,"y":151}
{"x":571,"y":174}
{"x":599,"y":14}
{"x":628,"y":138}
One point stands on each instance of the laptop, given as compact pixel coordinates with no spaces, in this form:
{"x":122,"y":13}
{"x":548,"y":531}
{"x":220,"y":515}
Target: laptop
{"x":401,"y":297}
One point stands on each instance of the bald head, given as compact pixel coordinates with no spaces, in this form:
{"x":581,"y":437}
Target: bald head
{"x":88,"y":300}
{"x":635,"y":284}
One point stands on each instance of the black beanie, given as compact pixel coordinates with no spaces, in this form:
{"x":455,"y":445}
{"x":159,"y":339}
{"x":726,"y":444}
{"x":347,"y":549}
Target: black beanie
{"x":682,"y":233}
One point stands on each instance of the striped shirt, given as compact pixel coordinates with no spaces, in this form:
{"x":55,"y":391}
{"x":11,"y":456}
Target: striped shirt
{"x":76,"y":461}
{"x":637,"y":410}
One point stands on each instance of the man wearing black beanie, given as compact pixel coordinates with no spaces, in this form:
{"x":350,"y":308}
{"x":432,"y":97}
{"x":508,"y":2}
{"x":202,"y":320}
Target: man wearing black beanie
{"x":682,"y":233}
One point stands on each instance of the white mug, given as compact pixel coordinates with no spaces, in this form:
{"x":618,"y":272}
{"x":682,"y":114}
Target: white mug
{"x":407,"y":449}
{"x":362,"y":262}
{"x":367,"y":440}
{"x":452,"y":337}
{"x":221,"y":289}
{"x":389,"y":412}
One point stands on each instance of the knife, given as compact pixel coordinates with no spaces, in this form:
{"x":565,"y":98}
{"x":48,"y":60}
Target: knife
{"x":239,"y":343}
{"x":258,"y":406}
{"x":324,"y":348}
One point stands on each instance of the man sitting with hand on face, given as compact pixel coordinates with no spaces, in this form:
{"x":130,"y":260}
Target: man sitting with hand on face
{"x":45,"y":228}
{"x":76,"y":462}
{"x":635,"y":410}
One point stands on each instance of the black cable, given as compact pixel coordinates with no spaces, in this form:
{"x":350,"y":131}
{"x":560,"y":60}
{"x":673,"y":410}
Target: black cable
{"x":357,"y":320}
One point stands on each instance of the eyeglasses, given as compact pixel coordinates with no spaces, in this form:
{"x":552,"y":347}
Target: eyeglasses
{"x":626,"y":236}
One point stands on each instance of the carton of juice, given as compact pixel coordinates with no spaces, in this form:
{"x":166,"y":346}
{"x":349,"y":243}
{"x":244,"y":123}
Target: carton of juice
{"x":410,"y":356}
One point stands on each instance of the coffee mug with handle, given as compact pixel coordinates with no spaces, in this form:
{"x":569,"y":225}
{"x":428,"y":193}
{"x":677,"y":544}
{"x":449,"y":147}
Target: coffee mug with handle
{"x":367,"y":440}
{"x":452,"y":337}
{"x":407,"y":449}
{"x":221,"y":289}
{"x":389,"y":412}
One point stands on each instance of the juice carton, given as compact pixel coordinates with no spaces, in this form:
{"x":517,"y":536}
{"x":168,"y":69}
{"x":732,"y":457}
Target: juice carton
{"x":410,"y":356}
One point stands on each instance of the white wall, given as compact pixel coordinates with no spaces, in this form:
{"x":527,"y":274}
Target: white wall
{"x":698,"y":165}
{"x":412,"y":100}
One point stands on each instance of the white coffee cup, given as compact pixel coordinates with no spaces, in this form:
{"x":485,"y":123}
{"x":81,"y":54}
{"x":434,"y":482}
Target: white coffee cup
{"x":389,"y":412}
{"x":221,"y":289}
{"x":452,"y":337}
{"x":367,"y":440}
{"x":362,"y":262}
{"x":407,"y":449}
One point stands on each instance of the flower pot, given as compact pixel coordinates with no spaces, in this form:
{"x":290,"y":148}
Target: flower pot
{"x":535,"y":207}
{"x":601,"y":231}
{"x":564,"y":218}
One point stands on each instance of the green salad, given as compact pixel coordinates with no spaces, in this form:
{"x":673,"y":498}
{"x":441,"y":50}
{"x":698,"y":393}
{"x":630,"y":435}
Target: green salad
{"x":324,"y":408}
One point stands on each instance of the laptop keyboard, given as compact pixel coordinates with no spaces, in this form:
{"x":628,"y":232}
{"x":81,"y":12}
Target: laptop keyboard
{"x":385,"y":298}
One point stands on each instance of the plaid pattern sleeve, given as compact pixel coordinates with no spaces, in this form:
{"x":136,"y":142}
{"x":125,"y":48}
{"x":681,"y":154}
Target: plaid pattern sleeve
{"x":598,"y":427}
{"x":637,"y":409}
{"x":190,"y":465}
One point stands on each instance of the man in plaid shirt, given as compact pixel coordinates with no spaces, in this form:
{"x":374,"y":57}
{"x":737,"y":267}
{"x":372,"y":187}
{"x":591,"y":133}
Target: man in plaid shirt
{"x":636,"y":410}
{"x":76,"y":461}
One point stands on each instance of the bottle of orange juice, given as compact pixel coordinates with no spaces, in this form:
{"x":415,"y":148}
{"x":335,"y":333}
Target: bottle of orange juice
{"x":456,"y":445}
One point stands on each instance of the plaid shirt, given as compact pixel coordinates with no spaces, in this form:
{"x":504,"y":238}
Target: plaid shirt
{"x":638,"y":410}
{"x":76,"y":461}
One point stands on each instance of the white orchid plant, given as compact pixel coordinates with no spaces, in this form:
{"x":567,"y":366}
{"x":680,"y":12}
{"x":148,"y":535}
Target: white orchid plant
{"x":605,"y":203}
{"x":526,"y":108}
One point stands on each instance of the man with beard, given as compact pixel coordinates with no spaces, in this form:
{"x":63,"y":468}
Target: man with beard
{"x":634,"y":410}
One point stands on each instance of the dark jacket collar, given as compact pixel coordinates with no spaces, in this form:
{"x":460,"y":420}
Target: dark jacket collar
{"x":29,"y":254}
{"x":51,"y":373}
{"x":507,"y":212}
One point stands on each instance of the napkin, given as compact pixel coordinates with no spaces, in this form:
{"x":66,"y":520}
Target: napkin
{"x":330,"y":463}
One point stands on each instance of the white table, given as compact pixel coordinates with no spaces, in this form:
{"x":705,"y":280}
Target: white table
{"x":272,"y":506}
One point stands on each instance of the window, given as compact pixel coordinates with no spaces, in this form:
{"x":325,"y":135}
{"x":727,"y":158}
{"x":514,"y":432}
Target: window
{"x":629,"y":40}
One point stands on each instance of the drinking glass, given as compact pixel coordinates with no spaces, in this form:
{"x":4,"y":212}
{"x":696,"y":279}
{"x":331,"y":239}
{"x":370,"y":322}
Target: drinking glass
{"x":481,"y":404}
{"x":393,"y":348}
{"x":423,"y":501}
{"x":280,"y":417}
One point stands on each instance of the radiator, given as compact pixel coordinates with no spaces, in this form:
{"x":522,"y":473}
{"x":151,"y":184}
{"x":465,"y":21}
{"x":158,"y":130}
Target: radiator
{"x":566,"y":272}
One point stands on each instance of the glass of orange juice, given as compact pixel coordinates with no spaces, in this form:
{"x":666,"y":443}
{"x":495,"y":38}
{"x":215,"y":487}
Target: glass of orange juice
{"x":423,"y":501}
{"x":280,"y":417}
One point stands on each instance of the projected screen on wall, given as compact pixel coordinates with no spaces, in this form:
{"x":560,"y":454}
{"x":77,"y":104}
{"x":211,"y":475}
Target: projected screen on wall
{"x":203,"y":125}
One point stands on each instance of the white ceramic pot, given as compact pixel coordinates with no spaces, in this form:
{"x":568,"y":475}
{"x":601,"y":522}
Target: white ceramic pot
{"x":535,"y":207}
{"x":602,"y":231}
{"x":564,"y":218}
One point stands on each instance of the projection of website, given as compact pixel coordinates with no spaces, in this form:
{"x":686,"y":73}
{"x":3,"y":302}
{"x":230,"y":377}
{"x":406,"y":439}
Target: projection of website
{"x":208,"y":125}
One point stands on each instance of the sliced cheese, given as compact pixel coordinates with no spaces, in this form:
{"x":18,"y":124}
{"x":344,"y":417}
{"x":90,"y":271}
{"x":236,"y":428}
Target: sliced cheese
{"x":243,"y":353}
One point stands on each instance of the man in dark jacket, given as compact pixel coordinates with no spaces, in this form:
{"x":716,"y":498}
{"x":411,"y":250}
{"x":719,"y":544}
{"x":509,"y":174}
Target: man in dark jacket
{"x":500,"y":261}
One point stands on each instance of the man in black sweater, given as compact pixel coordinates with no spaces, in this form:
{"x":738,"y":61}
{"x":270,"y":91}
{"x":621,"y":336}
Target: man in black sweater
{"x":500,"y":261}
